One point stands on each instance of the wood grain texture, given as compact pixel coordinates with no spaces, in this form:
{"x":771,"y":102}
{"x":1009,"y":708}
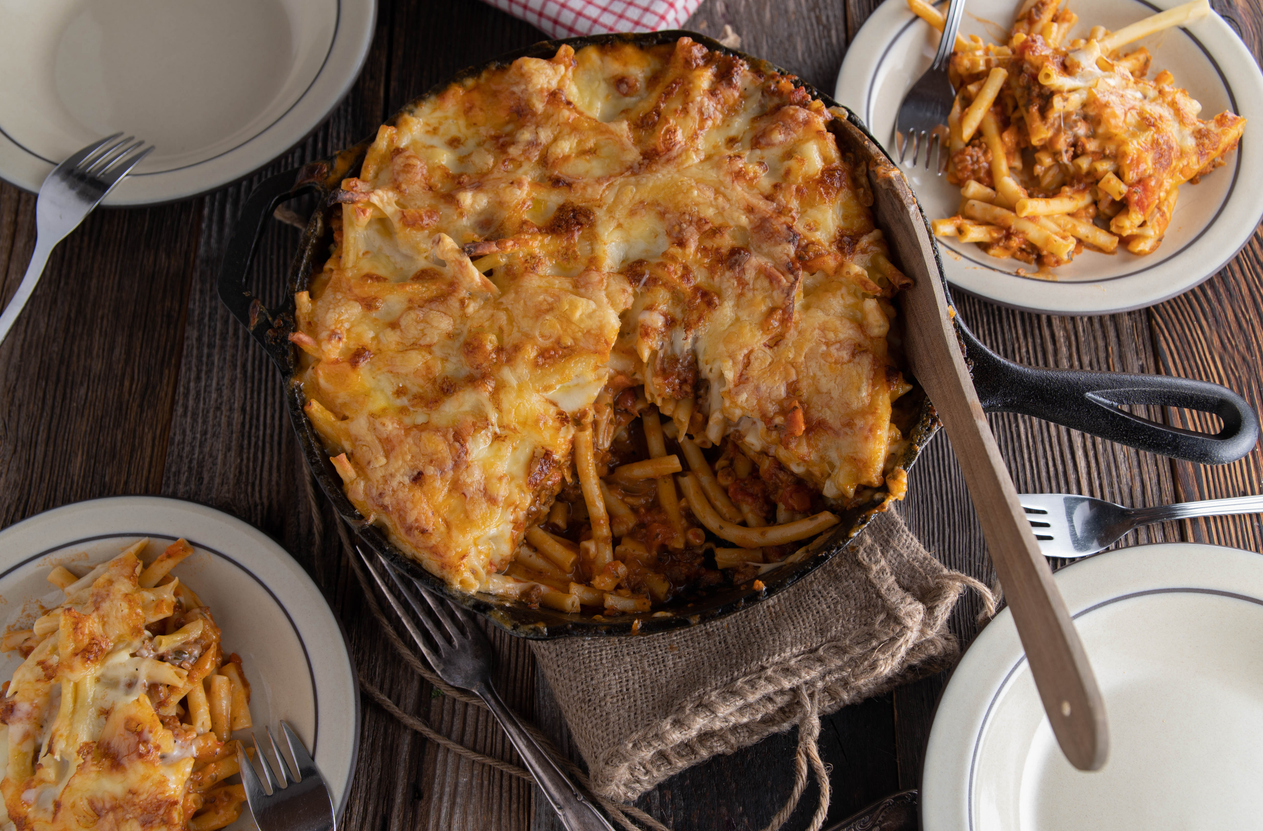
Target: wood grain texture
{"x":126,"y":375}
{"x":808,"y":39}
{"x":230,"y":400}
{"x":80,"y":416}
{"x":422,"y":52}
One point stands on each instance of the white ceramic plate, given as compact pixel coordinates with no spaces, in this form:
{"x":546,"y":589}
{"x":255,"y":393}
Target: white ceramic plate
{"x":269,"y":610}
{"x":1212,"y":220}
{"x":219,"y":87}
{"x":1174,"y":633}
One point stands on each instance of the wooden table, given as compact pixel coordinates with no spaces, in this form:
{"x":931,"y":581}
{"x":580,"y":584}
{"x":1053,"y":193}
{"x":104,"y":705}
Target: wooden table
{"x":125,"y":375}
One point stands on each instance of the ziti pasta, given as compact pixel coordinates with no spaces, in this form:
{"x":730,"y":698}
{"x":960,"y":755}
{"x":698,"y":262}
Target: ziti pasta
{"x":120,"y":714}
{"x":1061,"y":144}
{"x":600,"y":331}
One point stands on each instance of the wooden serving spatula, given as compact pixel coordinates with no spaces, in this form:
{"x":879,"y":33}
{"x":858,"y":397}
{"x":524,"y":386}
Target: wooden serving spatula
{"x":1058,"y":663}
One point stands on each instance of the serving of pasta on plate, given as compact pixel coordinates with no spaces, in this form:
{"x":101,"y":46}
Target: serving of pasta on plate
{"x":121,"y":713}
{"x":1060,"y":144}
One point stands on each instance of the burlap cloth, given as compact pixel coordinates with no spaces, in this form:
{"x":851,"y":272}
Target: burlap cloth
{"x":873,"y":617}
{"x":866,"y":621}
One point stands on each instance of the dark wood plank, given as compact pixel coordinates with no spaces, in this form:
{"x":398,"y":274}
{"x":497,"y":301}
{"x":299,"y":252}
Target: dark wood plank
{"x":88,"y":371}
{"x":232,"y":447}
{"x":747,"y":788}
{"x":806,"y":38}
{"x":256,"y":472}
{"x":1042,"y":457}
{"x":1213,"y":332}
{"x":432,"y":41}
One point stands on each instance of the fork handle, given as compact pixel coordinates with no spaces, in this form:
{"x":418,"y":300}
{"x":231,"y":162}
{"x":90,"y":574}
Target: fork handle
{"x":39,"y":258}
{"x":1188,"y":510}
{"x":951,"y":24}
{"x":576,"y":813}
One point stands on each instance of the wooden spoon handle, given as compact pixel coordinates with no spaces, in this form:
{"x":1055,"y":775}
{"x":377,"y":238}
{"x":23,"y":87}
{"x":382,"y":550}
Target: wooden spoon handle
{"x":1058,"y":663}
{"x":1059,"y":666}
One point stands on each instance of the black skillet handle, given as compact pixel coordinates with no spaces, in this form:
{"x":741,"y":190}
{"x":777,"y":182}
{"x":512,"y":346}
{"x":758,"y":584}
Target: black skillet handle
{"x":247,"y":308}
{"x":1093,"y":403}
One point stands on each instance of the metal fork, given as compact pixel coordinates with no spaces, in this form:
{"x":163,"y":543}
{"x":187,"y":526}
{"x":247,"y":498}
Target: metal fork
{"x":462,"y":656}
{"x":295,"y":800}
{"x":68,"y":194}
{"x":1068,"y":525}
{"x":923,"y":114}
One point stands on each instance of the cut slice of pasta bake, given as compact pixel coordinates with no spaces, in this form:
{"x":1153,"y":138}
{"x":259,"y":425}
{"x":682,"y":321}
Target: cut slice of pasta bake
{"x":572,"y":300}
{"x":119,"y":717}
{"x":1062,"y":142}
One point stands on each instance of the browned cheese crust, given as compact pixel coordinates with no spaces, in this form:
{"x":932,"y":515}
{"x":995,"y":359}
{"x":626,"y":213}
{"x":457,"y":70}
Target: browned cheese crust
{"x":525,"y":244}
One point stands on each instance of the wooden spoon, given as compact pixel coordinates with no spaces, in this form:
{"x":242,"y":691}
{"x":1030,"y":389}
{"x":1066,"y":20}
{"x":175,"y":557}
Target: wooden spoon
{"x":1058,"y":663}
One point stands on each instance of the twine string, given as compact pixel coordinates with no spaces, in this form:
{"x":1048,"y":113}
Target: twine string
{"x":990,"y":597}
{"x":392,"y":637}
{"x":807,"y":754}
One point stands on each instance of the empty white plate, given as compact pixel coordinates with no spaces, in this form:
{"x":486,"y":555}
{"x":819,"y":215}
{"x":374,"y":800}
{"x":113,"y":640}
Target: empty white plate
{"x":1174,"y":633}
{"x":1212,"y":221}
{"x":219,"y":87}
{"x":270,"y":612}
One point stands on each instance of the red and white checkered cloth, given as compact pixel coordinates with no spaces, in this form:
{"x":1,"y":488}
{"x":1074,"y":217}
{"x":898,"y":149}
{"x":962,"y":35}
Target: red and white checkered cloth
{"x":569,"y":18}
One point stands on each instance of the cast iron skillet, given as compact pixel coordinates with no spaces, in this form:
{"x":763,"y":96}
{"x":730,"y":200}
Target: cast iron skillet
{"x":1089,"y":401}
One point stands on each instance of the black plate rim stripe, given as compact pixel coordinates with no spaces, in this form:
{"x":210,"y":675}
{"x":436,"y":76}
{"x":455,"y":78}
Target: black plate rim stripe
{"x":332,"y":40}
{"x":986,"y":717}
{"x":1232,"y":186}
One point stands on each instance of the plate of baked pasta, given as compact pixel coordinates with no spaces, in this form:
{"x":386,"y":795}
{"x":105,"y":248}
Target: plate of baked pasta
{"x":1099,"y":155}
{"x":144,"y":638}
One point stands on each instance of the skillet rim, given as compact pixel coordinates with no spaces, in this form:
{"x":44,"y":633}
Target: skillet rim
{"x":516,"y":618}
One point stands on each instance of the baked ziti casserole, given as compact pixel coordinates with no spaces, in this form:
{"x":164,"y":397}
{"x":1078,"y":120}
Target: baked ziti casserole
{"x":603,"y":330}
{"x":1058,"y":143}
{"x":121,"y":713}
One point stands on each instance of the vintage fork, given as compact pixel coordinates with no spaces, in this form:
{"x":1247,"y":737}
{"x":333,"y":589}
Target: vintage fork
{"x":69,"y":194}
{"x":923,"y":114}
{"x":462,"y":656}
{"x":1068,"y":525}
{"x":295,"y":800}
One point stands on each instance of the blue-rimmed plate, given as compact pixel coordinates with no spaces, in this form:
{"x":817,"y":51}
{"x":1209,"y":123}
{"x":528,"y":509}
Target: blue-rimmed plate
{"x":270,"y":612}
{"x":1212,"y":219}
{"x":1174,"y":633}
{"x":219,"y":87}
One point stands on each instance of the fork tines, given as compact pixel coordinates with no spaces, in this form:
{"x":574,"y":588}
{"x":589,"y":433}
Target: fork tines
{"x":931,"y":141}
{"x":109,"y":159}
{"x":926,"y":107}
{"x":1039,"y":526}
{"x":68,"y":194}
{"x":430,"y":611}
{"x":295,"y":796}
{"x":282,"y":775}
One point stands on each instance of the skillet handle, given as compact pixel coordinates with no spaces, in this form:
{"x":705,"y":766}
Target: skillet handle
{"x":247,"y":308}
{"x":1093,"y":402}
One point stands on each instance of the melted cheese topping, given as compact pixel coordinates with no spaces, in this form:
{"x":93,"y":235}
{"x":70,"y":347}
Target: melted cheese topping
{"x":1071,"y":117}
{"x":526,"y":239}
{"x":1151,"y":130}
{"x":84,"y":744}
